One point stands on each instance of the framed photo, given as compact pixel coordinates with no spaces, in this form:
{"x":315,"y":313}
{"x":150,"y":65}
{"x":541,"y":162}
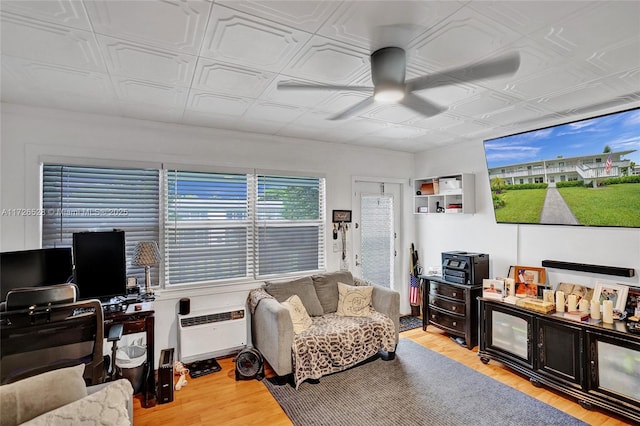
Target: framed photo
{"x":580,"y":291}
{"x":341,"y":216}
{"x":633,"y":300}
{"x":493,"y":289}
{"x":530,"y":274}
{"x":530,"y":290}
{"x":617,"y":293}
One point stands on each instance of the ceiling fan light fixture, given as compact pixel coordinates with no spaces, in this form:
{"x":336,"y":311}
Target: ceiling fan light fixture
{"x":389,"y":93}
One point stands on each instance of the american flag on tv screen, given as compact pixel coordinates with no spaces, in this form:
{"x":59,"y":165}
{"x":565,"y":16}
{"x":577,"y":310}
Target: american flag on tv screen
{"x":607,"y":165}
{"x":414,"y":293}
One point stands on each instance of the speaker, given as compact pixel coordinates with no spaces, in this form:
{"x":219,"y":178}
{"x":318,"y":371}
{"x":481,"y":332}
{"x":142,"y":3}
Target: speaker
{"x":185,"y":306}
{"x":165,"y":376}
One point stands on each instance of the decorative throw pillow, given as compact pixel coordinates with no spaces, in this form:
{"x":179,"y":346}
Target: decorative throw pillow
{"x":354,"y":301}
{"x":299,"y":316}
{"x":327,"y":288}
{"x":28,"y":398}
{"x":303,"y":287}
{"x":108,"y":406}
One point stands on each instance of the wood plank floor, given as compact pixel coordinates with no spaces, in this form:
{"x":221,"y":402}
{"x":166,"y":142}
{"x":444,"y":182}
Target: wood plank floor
{"x":218,"y":399}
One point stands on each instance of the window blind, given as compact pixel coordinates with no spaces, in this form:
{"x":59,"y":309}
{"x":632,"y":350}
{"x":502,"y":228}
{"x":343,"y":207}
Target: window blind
{"x":77,"y":199}
{"x":207,"y":227}
{"x":289,"y":224}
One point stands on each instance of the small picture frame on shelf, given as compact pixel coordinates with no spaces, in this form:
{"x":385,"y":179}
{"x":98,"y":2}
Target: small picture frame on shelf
{"x":529,"y":274}
{"x":633,"y":301}
{"x":493,"y":289}
{"x":617,"y":293}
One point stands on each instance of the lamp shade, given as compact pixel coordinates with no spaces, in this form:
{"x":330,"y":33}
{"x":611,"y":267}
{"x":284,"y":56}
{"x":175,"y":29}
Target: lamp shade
{"x":146,"y":253}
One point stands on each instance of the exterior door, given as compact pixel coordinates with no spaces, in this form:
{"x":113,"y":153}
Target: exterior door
{"x":376,"y":228}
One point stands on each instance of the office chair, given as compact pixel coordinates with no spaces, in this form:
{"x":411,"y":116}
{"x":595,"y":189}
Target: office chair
{"x":45,"y":328}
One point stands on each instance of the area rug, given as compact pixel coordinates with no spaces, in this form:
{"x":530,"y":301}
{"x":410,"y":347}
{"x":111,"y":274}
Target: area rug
{"x":409,"y":322}
{"x":419,"y":387}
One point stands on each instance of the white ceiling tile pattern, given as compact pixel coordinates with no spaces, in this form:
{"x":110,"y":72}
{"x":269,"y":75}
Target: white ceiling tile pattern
{"x":217,"y":63}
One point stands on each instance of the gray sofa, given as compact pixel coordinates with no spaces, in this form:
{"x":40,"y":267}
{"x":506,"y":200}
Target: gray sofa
{"x":333,"y":342}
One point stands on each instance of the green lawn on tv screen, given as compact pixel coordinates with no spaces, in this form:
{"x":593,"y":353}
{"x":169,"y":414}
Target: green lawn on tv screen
{"x":521,"y":206}
{"x":612,"y":205}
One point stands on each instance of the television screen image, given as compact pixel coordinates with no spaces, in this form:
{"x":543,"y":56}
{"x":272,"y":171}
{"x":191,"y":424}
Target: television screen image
{"x":583,"y":173}
{"x":100,"y":264}
{"x":34,"y":268}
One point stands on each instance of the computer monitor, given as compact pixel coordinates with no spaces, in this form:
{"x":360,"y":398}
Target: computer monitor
{"x":100,"y":266}
{"x":33,"y":268}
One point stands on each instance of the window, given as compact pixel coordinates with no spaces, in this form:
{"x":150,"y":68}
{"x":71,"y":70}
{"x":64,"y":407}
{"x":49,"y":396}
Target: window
{"x":211,"y":227}
{"x":207,"y":227}
{"x":289,"y":224}
{"x":77,"y":199}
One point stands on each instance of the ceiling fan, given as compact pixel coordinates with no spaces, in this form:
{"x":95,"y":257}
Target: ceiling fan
{"x":388,"y":67}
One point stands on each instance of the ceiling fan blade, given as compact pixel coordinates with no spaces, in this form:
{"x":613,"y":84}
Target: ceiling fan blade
{"x":296,"y":86}
{"x":360,"y":106}
{"x":498,"y":67}
{"x":421,"y":105}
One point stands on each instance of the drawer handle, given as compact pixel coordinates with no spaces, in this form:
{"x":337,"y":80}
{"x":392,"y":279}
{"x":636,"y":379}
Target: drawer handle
{"x":433,"y":316}
{"x":455,"y":294}
{"x":455,"y":323}
{"x":453,"y":308}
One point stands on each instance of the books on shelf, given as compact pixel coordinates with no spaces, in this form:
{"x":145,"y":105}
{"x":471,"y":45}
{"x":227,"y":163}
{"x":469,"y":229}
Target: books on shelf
{"x":576,"y":315}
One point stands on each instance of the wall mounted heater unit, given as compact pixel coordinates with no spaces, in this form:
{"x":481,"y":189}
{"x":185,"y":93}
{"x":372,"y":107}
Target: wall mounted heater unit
{"x":209,"y":333}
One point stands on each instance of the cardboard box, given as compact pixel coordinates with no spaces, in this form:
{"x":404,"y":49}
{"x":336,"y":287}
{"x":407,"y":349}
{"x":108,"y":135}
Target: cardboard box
{"x":427,"y":188}
{"x":450,"y":186}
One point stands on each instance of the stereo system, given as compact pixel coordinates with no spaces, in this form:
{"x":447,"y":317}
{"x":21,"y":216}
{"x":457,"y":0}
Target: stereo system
{"x":461,"y":267}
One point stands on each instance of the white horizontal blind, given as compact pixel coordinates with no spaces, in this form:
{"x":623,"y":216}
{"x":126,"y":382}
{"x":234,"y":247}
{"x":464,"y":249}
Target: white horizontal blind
{"x":289,"y":224}
{"x":77,"y":199}
{"x":207,"y":227}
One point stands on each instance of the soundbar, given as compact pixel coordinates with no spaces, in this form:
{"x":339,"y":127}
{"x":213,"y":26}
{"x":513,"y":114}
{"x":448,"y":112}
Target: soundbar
{"x":584,"y":267}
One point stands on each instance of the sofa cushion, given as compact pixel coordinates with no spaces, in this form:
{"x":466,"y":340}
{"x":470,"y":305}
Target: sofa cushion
{"x":354,"y":301}
{"x":327,"y":288}
{"x":301,"y":320}
{"x":108,"y":406}
{"x":25,"y":399}
{"x":303,"y":288}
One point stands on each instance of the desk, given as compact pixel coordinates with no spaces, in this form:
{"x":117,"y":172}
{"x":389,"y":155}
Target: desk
{"x":142,"y":321}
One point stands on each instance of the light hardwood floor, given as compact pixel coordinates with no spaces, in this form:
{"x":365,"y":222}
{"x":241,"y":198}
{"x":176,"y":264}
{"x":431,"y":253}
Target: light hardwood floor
{"x":218,"y":399}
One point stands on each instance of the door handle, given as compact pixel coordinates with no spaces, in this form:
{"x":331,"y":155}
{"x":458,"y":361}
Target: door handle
{"x":357,"y":263}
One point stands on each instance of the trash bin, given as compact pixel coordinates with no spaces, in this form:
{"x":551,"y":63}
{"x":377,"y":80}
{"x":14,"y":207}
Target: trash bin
{"x":130,"y":362}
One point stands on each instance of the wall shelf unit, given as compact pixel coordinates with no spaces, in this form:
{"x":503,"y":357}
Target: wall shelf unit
{"x":450,"y":194}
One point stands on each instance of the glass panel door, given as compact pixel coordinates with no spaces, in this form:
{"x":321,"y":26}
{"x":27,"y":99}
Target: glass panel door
{"x":376,"y":238}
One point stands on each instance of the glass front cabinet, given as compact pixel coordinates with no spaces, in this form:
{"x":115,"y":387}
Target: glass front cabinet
{"x":598,"y":364}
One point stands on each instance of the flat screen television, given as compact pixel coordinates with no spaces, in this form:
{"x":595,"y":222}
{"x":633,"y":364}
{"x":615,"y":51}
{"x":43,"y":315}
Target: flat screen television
{"x":583,"y":173}
{"x":100,"y":269}
{"x":33,"y":268}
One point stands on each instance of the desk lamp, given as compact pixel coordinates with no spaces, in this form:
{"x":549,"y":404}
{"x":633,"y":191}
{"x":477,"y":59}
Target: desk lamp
{"x":147,"y":254}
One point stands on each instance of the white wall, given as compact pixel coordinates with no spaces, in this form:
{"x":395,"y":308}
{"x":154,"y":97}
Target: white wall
{"x":510,"y":244}
{"x":28,"y":133}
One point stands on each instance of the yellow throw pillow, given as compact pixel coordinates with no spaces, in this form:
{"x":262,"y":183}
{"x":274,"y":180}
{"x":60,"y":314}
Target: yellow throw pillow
{"x":299,"y":316}
{"x":354,"y":301}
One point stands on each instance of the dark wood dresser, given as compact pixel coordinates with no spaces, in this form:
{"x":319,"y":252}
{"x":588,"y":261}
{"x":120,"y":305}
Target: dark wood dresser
{"x":451,"y":307}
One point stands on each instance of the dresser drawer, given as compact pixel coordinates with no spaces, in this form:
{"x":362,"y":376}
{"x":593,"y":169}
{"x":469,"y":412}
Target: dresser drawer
{"x":447,"y":304}
{"x":447,"y":290}
{"x":446,"y":321}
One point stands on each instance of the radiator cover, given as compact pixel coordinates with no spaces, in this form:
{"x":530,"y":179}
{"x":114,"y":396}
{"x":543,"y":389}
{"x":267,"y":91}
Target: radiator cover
{"x":208,"y":333}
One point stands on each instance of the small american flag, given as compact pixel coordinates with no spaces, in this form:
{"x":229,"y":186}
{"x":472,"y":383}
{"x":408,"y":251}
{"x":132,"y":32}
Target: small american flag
{"x":414,"y":292}
{"x":607,"y":165}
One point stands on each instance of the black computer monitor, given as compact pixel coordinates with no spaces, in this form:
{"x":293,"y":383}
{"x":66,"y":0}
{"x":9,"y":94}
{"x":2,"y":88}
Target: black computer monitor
{"x":33,"y":268}
{"x":100,"y":266}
